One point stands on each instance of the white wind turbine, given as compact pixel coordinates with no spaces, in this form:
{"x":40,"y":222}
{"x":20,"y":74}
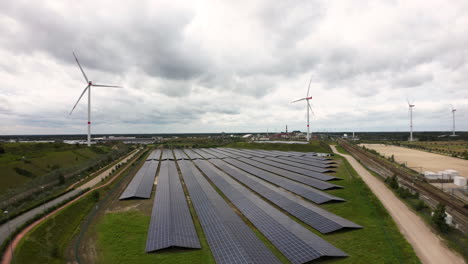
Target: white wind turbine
{"x":453,"y":120}
{"x":307,"y":98}
{"x":411,"y":105}
{"x":88,"y":88}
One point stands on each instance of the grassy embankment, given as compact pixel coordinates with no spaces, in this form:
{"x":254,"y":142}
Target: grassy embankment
{"x":378,"y":242}
{"x":47,"y":242}
{"x":27,"y":166}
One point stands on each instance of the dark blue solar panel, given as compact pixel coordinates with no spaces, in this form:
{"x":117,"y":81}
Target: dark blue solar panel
{"x":204,"y":154}
{"x":307,"y":192}
{"x":180,"y":155}
{"x":302,"y":171}
{"x":308,"y":163}
{"x":230,"y":239}
{"x":218,"y":155}
{"x":296,"y":242}
{"x":167,"y":154}
{"x":231,"y":154}
{"x":318,"y":184}
{"x":299,"y":165}
{"x":312,"y":215}
{"x":155,"y":154}
{"x":171,"y":223}
{"x":142,"y":183}
{"x":192,"y":154}
{"x":247,"y":152}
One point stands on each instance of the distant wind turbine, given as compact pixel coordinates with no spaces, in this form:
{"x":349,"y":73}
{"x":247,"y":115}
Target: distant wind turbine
{"x":88,"y":88}
{"x":307,"y":98}
{"x":453,"y":120}
{"x":411,"y":105}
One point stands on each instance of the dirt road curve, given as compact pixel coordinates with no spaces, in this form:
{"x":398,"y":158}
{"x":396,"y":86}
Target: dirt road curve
{"x":428,"y":247}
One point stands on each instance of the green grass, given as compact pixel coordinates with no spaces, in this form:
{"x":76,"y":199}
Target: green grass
{"x":341,"y":150}
{"x":47,"y":242}
{"x":313,"y":146}
{"x":40,"y":159}
{"x":122,"y":239}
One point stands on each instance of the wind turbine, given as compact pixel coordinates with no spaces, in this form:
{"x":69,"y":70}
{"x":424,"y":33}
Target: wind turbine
{"x":88,"y":88}
{"x":453,"y":120}
{"x":307,"y":98}
{"x":411,"y":105}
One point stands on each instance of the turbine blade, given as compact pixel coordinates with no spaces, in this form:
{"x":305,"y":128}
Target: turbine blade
{"x":310,"y":108}
{"x":298,"y":100}
{"x":84,"y":91}
{"x":103,"y":85}
{"x":308,"y":89}
{"x":79,"y":65}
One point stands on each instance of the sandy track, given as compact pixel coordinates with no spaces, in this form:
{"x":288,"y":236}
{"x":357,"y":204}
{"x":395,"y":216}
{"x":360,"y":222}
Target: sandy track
{"x":8,"y":256}
{"x":428,"y":247}
{"x":417,"y":158}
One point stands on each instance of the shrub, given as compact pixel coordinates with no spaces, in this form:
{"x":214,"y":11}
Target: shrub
{"x":438,"y":218}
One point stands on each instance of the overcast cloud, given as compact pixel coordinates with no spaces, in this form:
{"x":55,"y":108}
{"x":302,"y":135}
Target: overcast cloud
{"x":232,"y":66}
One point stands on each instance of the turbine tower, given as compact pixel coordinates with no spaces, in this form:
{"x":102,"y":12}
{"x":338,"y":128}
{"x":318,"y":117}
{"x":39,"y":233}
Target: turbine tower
{"x":88,"y":88}
{"x":453,"y":120}
{"x":410,"y":105}
{"x":307,"y":98}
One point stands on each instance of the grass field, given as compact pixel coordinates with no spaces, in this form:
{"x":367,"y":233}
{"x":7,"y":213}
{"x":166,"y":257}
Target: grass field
{"x":25,"y":162}
{"x":46,"y":242}
{"x":121,"y":235}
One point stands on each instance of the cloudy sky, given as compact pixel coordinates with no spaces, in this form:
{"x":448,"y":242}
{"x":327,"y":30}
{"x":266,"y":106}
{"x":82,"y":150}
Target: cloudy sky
{"x":233,"y":66}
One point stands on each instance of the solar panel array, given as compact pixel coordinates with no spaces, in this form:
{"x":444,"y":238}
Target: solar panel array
{"x":322,"y":185}
{"x":192,"y":154}
{"x":142,"y":183}
{"x":309,"y":173}
{"x":296,"y":242}
{"x":180,"y":155}
{"x":313,"y":163}
{"x":154,"y":155}
{"x":204,"y":154}
{"x":171,"y":223}
{"x":167,"y":154}
{"x":320,"y":219}
{"x":230,"y":239}
{"x":307,"y":192}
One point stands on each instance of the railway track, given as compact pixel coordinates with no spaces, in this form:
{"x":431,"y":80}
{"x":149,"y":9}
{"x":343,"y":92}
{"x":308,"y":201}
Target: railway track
{"x":433,"y":196}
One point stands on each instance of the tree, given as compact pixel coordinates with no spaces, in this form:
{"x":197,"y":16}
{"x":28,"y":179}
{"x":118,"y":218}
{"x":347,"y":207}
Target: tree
{"x":2,"y":150}
{"x":438,"y":218}
{"x":96,"y":196}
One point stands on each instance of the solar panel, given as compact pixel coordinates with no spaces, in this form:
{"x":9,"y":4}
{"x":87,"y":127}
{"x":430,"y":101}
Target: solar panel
{"x":299,"y":165}
{"x":318,"y":184}
{"x":154,"y":155}
{"x":180,"y":155}
{"x":167,"y":154}
{"x":323,"y":161}
{"x":204,"y":154}
{"x":232,"y":154}
{"x":307,"y":163}
{"x":142,"y":183}
{"x":296,"y":242}
{"x":218,"y":155}
{"x":230,"y":239}
{"x":247,"y":152}
{"x":302,"y":171}
{"x":192,"y":154}
{"x":320,"y":219}
{"x":307,"y":192}
{"x":171,"y":223}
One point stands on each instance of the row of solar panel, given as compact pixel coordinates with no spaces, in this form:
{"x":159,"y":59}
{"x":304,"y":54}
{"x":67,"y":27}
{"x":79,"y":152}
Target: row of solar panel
{"x":171,"y":227}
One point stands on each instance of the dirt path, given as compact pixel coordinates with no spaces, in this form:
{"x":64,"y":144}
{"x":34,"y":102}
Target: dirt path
{"x":428,"y":247}
{"x":12,"y":246}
